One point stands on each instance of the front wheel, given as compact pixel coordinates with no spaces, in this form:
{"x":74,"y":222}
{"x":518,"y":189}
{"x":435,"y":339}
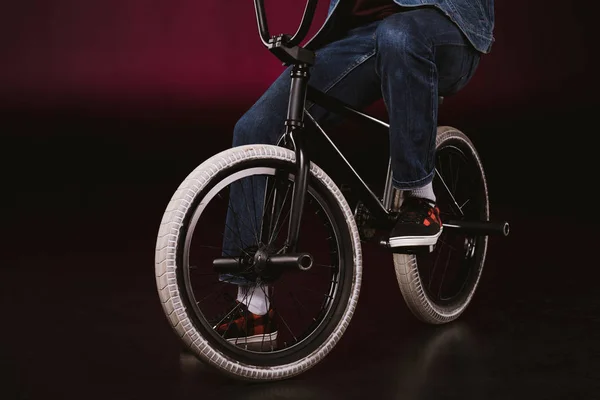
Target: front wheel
{"x":438,"y":286}
{"x":245,"y":194}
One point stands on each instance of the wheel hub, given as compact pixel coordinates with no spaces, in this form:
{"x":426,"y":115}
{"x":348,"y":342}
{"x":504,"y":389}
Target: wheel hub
{"x":259,"y":261}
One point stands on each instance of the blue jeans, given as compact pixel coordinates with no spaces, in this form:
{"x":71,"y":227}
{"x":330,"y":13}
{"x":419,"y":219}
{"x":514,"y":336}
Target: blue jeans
{"x":409,"y":59}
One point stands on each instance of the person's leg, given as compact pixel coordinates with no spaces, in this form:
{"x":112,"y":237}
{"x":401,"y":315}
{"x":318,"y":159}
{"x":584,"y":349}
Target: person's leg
{"x":344,"y":69}
{"x":420,"y":54}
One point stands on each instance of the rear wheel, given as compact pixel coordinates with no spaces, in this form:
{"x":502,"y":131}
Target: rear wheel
{"x":438,"y":286}
{"x":312,"y":308}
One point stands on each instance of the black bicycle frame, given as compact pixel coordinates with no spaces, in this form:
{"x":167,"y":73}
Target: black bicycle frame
{"x":294,"y":138}
{"x":287,"y":49}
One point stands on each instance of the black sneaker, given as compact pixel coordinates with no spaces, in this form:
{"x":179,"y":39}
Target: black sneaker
{"x":418,"y":224}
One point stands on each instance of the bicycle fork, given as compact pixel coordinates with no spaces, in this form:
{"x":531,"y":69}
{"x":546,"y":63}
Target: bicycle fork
{"x":262,"y":262}
{"x":294,"y":139}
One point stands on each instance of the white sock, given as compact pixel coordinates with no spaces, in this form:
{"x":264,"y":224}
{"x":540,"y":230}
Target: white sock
{"x":254,"y":297}
{"x":425,"y":192}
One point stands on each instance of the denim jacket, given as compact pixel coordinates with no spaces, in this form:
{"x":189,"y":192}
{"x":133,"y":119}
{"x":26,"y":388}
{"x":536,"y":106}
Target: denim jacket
{"x":474,"y":17}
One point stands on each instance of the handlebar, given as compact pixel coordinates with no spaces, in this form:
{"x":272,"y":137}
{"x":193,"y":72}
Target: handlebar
{"x":263,"y":28}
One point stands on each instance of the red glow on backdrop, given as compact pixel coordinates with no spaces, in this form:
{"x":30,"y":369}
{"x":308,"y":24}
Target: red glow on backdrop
{"x":208,"y":51}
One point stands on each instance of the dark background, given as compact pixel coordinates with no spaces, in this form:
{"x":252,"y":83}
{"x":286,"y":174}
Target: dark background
{"x":138,"y":93}
{"x":105,"y":106}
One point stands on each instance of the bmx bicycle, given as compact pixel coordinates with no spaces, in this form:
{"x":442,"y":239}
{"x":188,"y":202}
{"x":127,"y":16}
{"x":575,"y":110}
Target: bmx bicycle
{"x":304,"y":246}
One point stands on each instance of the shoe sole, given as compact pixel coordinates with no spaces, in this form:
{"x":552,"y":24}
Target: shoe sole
{"x":266,"y":338}
{"x":414,"y":241}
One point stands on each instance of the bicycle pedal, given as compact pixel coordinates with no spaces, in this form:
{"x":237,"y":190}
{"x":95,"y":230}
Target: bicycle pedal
{"x":408,"y":249}
{"x":413,"y":250}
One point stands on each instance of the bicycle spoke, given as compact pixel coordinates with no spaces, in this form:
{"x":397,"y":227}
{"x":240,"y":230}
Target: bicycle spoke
{"x":239,"y":248}
{"x":443,"y":277}
{"x":281,"y":226}
{"x":435,"y":264}
{"x":247,"y":314}
{"x":452,"y":169}
{"x":254,"y":210}
{"x":274,"y":234}
{"x":237,"y":220}
{"x":210,"y":294}
{"x":323,"y":265}
{"x":449,"y":192}
{"x":287,"y":326}
{"x":247,"y":209}
{"x":205,"y":246}
{"x":300,"y":303}
{"x":268,"y":198}
{"x":447,"y":244}
{"x":226,"y":316}
{"x":464,"y":204}
{"x":262,"y":342}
